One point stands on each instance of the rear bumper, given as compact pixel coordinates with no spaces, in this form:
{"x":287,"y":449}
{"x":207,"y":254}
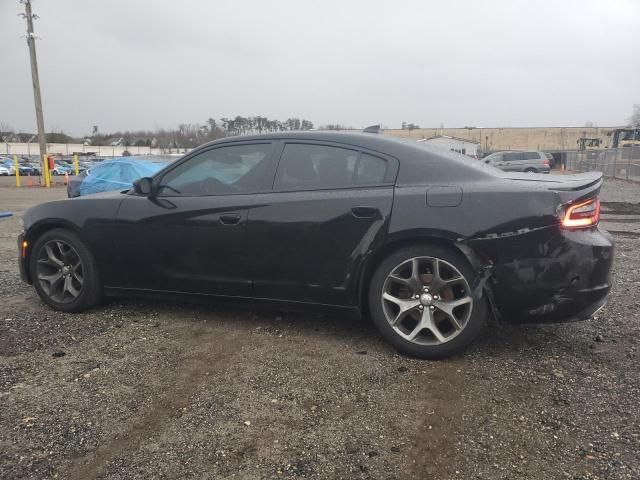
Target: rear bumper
{"x":565,"y":277}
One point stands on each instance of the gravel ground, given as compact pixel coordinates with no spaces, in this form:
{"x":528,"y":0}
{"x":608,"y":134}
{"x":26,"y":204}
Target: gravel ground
{"x":141,"y":389}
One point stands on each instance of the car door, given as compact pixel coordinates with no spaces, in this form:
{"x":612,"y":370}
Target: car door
{"x":191,"y":237}
{"x":512,"y":162}
{"x":308,"y":237}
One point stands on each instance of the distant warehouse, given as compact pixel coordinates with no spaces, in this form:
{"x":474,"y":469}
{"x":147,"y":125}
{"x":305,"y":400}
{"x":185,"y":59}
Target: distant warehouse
{"x":546,"y":139}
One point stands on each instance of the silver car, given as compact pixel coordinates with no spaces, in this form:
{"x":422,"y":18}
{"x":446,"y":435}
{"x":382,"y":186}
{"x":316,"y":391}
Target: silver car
{"x":527,"y":161}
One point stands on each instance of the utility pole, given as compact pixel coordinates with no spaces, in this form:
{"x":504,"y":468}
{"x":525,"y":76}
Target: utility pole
{"x":31,"y":41}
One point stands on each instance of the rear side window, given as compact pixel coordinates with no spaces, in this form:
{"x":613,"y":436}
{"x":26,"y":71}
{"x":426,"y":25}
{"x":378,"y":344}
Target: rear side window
{"x":530,"y":155}
{"x":316,"y":167}
{"x":371,"y":170}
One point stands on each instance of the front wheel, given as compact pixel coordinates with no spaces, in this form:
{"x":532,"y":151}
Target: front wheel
{"x":421,"y":299}
{"x":64,"y":272}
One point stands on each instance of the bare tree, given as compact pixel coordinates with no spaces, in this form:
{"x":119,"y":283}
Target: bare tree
{"x":634,"y":119}
{"x":334,"y":126}
{"x":6,"y":127}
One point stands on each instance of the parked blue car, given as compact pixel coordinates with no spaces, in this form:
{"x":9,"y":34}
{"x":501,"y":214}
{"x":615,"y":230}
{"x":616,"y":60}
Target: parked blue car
{"x":116,"y":174}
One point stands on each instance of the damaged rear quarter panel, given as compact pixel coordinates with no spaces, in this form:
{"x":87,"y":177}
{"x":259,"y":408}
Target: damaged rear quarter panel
{"x":536,"y":269}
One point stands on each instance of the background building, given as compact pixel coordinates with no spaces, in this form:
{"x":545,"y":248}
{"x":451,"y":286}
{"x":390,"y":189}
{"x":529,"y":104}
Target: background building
{"x":460,"y":145}
{"x":526,"y":138}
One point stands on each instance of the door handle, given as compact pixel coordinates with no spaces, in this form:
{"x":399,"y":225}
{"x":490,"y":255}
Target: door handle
{"x":364,"y":212}
{"x":230,"y":219}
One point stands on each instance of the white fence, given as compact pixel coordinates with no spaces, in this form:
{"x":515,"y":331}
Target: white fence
{"x":71,"y":148}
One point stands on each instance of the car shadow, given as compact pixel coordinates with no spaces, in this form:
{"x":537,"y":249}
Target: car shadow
{"x":361,"y":334}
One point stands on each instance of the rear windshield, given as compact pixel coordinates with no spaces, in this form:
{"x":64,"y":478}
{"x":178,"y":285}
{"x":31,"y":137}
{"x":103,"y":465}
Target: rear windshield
{"x":433,"y":149}
{"x":478,"y":164}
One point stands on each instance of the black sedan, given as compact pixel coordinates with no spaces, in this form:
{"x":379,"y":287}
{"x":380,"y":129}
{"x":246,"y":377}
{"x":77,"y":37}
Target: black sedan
{"x":426,"y":242}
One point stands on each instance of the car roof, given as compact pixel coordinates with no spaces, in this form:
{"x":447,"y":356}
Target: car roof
{"x":412,"y":155}
{"x":372,"y":141}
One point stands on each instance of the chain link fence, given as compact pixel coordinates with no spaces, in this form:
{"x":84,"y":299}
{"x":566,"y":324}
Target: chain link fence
{"x":621,"y":163}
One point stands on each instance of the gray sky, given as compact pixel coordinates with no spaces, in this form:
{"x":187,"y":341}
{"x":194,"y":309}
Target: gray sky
{"x":123,"y":65}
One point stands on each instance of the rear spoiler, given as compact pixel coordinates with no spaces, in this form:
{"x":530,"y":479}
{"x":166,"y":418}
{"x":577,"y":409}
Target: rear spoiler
{"x":579,"y":181}
{"x":569,"y":187}
{"x":578,"y":187}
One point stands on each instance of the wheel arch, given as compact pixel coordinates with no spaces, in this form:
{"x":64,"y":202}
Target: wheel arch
{"x":38,"y":229}
{"x":475,"y":260}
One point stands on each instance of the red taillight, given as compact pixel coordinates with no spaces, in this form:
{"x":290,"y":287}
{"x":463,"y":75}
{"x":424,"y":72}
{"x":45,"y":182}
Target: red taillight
{"x":546,"y":162}
{"x":583,"y":214}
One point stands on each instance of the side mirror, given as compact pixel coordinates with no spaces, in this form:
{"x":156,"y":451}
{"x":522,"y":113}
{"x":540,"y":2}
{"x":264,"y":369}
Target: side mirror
{"x":143,"y":186}
{"x":487,"y":161}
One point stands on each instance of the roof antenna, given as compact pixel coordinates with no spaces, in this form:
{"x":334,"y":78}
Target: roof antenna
{"x":372,"y":129}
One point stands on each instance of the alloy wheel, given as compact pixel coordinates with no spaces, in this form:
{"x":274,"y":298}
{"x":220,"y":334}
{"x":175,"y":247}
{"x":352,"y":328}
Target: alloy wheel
{"x":60,"y":271}
{"x":426,"y":300}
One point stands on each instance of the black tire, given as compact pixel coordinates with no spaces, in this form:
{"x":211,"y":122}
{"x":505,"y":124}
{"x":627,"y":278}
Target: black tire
{"x":467,"y":335}
{"x":530,"y":170}
{"x":91,"y":291}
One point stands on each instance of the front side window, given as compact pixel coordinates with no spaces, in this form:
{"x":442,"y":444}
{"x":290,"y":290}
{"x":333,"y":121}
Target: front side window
{"x":316,"y":167}
{"x":224,"y":170}
{"x":511,"y":156}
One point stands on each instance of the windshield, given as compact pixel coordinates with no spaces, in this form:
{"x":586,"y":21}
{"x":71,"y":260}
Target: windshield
{"x":630,"y":135}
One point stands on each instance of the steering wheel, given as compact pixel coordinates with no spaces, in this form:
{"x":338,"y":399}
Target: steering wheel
{"x":213,"y":185}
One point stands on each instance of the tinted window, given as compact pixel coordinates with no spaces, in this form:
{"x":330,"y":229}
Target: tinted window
{"x":223,"y":170}
{"x":371,"y":170}
{"x":511,"y":156}
{"x":530,"y":155}
{"x":308,"y":167}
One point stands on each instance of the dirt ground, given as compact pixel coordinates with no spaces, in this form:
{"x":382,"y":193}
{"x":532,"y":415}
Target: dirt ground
{"x":141,"y":389}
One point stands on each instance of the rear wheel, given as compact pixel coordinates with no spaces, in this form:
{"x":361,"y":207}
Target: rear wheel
{"x":421,"y":300}
{"x":64,"y":272}
{"x":531,"y":170}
